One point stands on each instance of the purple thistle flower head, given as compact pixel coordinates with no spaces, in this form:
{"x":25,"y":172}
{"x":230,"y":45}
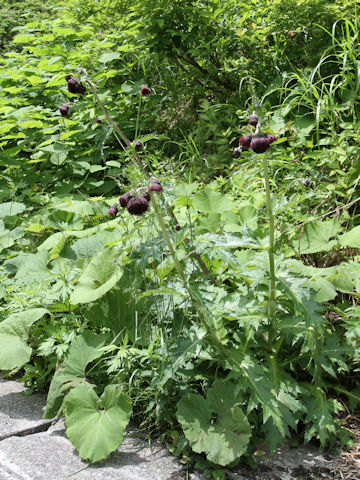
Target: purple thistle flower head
{"x":177,"y":227}
{"x":64,"y":110}
{"x":146,"y":196}
{"x":74,"y":85}
{"x":245,"y":141}
{"x":260,"y":143}
{"x":271,"y":138}
{"x":113,"y":210}
{"x":253,"y":120}
{"x":155,"y":186}
{"x":137,"y":205}
{"x":145,"y":90}
{"x":138,"y":145}
{"x":123,"y":200}
{"x":236,"y":153}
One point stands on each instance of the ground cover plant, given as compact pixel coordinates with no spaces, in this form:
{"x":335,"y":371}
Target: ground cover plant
{"x":179,"y":227}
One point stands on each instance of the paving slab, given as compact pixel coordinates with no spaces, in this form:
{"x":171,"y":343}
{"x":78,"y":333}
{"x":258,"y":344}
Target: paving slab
{"x":20,"y":415}
{"x":50,"y":456}
{"x":35,"y":449}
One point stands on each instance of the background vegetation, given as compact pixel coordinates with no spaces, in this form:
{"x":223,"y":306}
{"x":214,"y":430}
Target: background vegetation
{"x":177,"y":326}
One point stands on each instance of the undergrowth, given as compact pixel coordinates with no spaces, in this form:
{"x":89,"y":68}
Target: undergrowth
{"x":223,"y":311}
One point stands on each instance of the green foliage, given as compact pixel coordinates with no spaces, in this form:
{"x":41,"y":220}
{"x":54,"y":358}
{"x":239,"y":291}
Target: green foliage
{"x":96,"y":426}
{"x":208,"y":332}
{"x":15,"y":351}
{"x":217,"y":425}
{"x":71,"y":373}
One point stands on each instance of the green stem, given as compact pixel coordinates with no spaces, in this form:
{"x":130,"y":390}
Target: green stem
{"x":271,"y":302}
{"x":169,"y":244}
{"x":214,"y":340}
{"x":117,"y":129}
{"x":138,"y":118}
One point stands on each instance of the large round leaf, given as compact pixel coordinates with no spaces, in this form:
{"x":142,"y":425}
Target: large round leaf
{"x":100,"y":276}
{"x":96,"y":426}
{"x":14,"y":350}
{"x":217,"y":425}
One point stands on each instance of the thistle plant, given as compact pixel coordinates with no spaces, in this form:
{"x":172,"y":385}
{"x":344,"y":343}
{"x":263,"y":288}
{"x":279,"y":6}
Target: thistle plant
{"x":260,"y":144}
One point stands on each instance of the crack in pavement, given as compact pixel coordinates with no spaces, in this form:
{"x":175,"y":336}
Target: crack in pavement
{"x":42,"y":427}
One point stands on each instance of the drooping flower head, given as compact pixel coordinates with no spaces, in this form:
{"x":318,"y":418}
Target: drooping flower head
{"x":74,"y":85}
{"x":113,"y":210}
{"x":64,"y":110}
{"x":123,"y":200}
{"x":137,"y":205}
{"x":244,"y":141}
{"x":155,"y":186}
{"x":145,"y":90}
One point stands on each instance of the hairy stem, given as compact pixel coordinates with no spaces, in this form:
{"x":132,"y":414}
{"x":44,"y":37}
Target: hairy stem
{"x":117,"y":129}
{"x":271,"y":302}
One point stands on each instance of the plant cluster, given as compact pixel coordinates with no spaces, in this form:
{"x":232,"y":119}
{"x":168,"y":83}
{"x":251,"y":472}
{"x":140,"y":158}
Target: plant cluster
{"x":228,"y":314}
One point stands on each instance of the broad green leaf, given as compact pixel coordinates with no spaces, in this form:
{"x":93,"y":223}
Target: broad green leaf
{"x":262,"y":392}
{"x":351,"y":239}
{"x":87,"y":247}
{"x":74,"y":206}
{"x":11,"y":208}
{"x":302,"y":299}
{"x":96,"y":426}
{"x":34,"y":269}
{"x":316,"y":237}
{"x":14,"y":331}
{"x":108,"y":57}
{"x":210,"y":201}
{"x":52,"y":241}
{"x":72,"y":371}
{"x":331,"y":355}
{"x":217,"y":425}
{"x":8,"y":237}
{"x":305,"y":124}
{"x":100,"y":276}
{"x":120,"y":311}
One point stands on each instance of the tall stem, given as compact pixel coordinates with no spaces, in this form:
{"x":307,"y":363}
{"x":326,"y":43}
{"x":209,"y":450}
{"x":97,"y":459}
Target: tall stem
{"x":116,"y":128}
{"x":271,"y":302}
{"x":168,"y":240}
{"x":203,"y":315}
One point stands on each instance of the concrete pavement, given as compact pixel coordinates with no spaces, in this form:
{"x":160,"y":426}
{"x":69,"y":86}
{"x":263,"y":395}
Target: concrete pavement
{"x":35,"y":449}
